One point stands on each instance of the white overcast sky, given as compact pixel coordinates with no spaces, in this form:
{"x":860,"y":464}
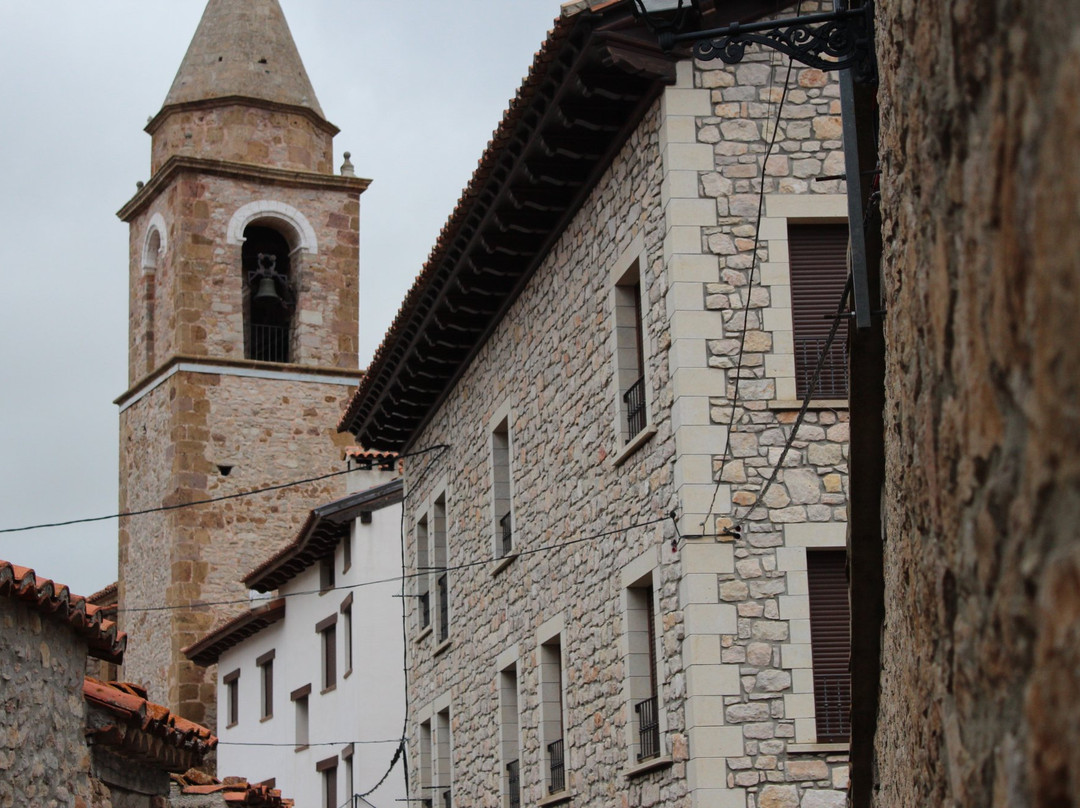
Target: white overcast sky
{"x":417,"y":89}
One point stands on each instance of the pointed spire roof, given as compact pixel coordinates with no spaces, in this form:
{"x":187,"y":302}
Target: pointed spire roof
{"x":243,"y":48}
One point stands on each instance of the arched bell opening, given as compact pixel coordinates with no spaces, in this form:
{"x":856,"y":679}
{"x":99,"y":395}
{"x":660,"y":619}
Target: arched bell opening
{"x":269,"y":294}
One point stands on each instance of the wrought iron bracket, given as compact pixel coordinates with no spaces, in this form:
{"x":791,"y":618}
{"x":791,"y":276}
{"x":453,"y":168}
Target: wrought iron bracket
{"x":831,"y":40}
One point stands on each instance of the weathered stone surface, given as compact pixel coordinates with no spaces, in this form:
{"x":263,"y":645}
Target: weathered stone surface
{"x":982,"y":434}
{"x":773,"y":796}
{"x":806,"y":770}
{"x":817,"y":798}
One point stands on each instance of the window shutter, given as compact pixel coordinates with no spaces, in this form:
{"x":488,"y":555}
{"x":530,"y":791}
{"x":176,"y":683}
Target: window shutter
{"x":818,"y":259}
{"x":831,"y":643}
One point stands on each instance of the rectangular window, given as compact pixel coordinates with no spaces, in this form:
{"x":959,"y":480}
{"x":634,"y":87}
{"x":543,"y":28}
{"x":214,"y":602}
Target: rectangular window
{"x":438,"y":561}
{"x":327,"y":630}
{"x":299,"y":699}
{"x":509,"y":740}
{"x":346,"y":632}
{"x":328,"y":769}
{"x":326,"y":573}
{"x":642,"y":669}
{"x":443,"y":775}
{"x":819,"y":270}
{"x":346,"y":550}
{"x":551,"y":714}
{"x":423,"y":569}
{"x":265,"y":664}
{"x":427,"y":790}
{"x":232,"y":696}
{"x":347,"y":763}
{"x":630,"y":355}
{"x":830,"y":640}
{"x":500,"y":489}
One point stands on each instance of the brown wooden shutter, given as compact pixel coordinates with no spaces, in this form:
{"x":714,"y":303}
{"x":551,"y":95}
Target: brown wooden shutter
{"x":830,"y":635}
{"x":818,"y":259}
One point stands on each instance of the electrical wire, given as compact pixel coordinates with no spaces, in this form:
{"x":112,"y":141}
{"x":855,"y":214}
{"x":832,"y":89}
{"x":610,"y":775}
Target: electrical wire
{"x":345,"y":587}
{"x":750,"y":279}
{"x":224,"y":497}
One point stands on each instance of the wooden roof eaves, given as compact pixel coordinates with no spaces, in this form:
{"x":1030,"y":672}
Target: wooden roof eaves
{"x":371,"y":415}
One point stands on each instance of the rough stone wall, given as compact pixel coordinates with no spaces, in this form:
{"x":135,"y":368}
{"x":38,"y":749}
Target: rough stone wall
{"x":197,"y":304}
{"x":980,"y":147}
{"x":244,"y":134}
{"x":44,"y":758}
{"x":550,"y":360}
{"x":269,"y":431}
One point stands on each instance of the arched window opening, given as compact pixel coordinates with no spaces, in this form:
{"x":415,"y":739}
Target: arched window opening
{"x":151,"y":255}
{"x":269,"y":300}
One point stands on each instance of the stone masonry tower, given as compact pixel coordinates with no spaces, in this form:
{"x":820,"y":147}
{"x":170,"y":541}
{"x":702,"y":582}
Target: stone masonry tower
{"x":243,"y":334}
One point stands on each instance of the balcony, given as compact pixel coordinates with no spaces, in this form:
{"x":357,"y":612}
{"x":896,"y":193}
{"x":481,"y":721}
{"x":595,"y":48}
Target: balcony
{"x":507,"y":534}
{"x":648,"y":729}
{"x":425,"y":609}
{"x":833,"y":382}
{"x":442,"y":587}
{"x":634,"y":401}
{"x":556,"y":767}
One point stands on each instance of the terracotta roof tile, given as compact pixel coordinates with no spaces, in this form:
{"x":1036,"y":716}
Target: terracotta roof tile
{"x":234,"y":791}
{"x":55,"y":600}
{"x":128,"y":703}
{"x":207,"y":650}
{"x":371,"y":457}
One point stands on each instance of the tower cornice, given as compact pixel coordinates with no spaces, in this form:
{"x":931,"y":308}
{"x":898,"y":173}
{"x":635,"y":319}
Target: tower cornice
{"x":178,"y":165}
{"x":242,"y":100}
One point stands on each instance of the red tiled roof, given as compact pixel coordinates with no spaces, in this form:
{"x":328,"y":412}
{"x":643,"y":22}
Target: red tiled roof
{"x":234,"y":790}
{"x":371,"y":458}
{"x":55,"y":600}
{"x":128,"y":703}
{"x":209,"y":649}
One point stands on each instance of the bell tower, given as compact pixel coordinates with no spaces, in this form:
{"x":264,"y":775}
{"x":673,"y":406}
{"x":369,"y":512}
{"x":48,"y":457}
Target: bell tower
{"x":242,"y":338}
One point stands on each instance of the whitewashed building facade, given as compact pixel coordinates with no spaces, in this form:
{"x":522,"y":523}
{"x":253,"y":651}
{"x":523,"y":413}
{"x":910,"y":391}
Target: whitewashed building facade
{"x":310,"y":682}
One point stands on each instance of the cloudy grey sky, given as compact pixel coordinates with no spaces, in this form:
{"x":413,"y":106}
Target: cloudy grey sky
{"x":416,"y":88}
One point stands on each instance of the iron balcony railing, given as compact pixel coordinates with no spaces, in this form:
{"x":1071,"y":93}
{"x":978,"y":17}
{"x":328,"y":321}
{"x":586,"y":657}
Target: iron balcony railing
{"x":444,"y":607}
{"x":269,"y":343}
{"x":832,"y":708}
{"x":556,"y":767}
{"x":634,"y":399}
{"x":425,"y":610}
{"x":513,"y":784}
{"x":507,"y":534}
{"x":648,"y":729}
{"x":833,"y":382}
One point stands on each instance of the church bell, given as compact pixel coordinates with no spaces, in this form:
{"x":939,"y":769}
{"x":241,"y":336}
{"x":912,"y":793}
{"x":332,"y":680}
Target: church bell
{"x":267,"y":291}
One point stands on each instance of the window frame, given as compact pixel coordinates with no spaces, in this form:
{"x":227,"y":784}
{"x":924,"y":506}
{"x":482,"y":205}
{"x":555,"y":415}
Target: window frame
{"x":501,"y":469}
{"x":631,"y":350}
{"x":327,"y":631}
{"x":328,"y":769}
{"x":347,"y":634}
{"x":265,"y":664}
{"x":301,"y":717}
{"x":231,"y":682}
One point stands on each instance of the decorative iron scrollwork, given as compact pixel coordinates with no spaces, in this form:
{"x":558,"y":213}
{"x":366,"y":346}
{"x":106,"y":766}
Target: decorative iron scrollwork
{"x":828,"y":41}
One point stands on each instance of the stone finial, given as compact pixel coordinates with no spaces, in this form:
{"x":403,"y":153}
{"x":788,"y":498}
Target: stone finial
{"x":347,"y":168}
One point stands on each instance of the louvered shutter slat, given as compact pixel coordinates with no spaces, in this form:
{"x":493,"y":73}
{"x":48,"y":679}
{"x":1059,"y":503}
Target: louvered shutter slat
{"x":830,"y":639}
{"x":818,"y":259}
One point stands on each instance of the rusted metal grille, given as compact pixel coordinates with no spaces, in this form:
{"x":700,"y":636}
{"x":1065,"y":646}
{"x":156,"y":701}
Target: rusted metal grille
{"x":269,"y":343}
{"x":507,"y":534}
{"x":648,"y":729}
{"x":556,"y":767}
{"x":444,"y":607}
{"x":634,"y":399}
{"x":832,"y":383}
{"x":513,"y":783}
{"x":425,"y":610}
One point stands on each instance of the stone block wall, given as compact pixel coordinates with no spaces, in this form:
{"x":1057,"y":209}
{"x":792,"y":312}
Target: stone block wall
{"x":980,"y":151}
{"x":242,"y":133}
{"x":736,"y":684}
{"x":265,"y":431}
{"x":191,"y":302}
{"x":44,"y":758}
